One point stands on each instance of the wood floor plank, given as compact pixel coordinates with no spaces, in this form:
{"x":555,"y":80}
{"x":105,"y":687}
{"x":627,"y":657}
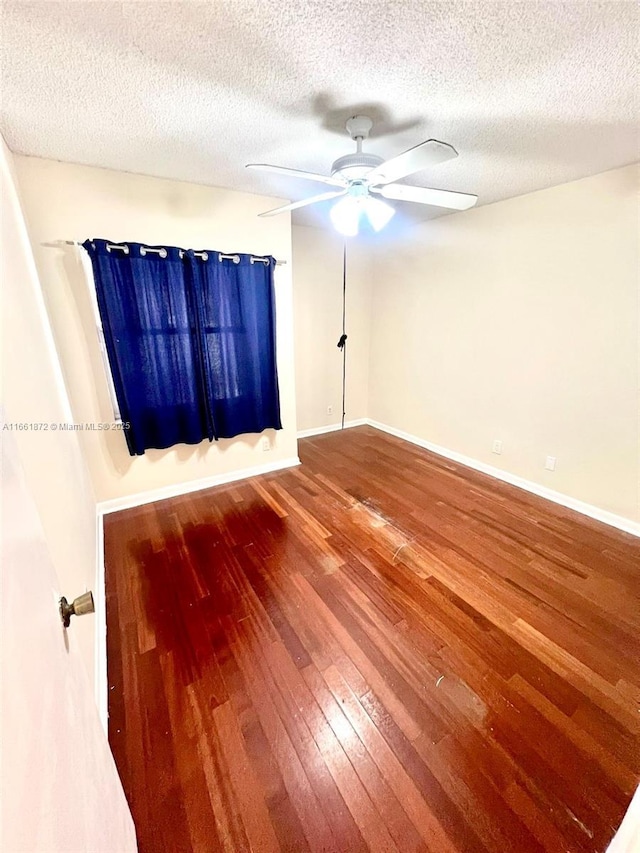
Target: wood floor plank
{"x":285,"y":820}
{"x":380,"y":650}
{"x":336,"y":781}
{"x":255,"y":816}
{"x":391,"y":768}
{"x":291,"y":752}
{"x":496,"y":823}
{"x":349,"y":773}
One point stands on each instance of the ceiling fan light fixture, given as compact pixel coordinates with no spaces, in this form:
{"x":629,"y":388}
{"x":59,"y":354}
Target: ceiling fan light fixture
{"x":345,"y":214}
{"x":379,"y":213}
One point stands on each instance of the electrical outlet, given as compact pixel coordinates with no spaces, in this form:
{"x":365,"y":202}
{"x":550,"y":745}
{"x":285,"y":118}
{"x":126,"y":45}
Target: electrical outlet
{"x":329,"y":410}
{"x":266,"y":444}
{"x":497,"y":446}
{"x":550,"y":464}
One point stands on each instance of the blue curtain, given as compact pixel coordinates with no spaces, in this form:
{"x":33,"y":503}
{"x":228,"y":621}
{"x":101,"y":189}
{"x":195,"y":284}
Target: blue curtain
{"x":235,"y":315}
{"x":190,"y":340}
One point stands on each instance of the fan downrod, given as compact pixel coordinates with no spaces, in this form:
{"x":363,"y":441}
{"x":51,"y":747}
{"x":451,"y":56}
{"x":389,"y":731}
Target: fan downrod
{"x":355,"y":166}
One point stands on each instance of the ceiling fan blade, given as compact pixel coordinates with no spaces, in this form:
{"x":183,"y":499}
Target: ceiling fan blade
{"x":304,"y":202}
{"x":420,"y":157}
{"x":424,"y":195}
{"x":296,"y":173}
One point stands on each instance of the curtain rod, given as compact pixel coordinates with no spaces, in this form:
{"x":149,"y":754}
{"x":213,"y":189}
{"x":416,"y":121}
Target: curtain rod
{"x":203,"y":255}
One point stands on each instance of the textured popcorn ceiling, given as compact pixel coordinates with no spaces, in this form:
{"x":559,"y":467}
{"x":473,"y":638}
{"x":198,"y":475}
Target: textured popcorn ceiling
{"x":531,"y":94}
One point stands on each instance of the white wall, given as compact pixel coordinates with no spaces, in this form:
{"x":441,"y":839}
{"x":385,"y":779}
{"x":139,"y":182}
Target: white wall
{"x":317,"y":302}
{"x":627,"y":838}
{"x":68,"y":202}
{"x":34,"y":393}
{"x":519,"y":321}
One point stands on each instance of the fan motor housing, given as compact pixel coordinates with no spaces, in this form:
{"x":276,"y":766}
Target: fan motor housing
{"x":355,"y":166}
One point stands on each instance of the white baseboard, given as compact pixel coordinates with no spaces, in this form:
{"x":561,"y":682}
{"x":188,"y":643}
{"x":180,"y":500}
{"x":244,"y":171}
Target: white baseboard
{"x":306,"y":433}
{"x":101,"y":685}
{"x":175,"y":491}
{"x":595,"y":512}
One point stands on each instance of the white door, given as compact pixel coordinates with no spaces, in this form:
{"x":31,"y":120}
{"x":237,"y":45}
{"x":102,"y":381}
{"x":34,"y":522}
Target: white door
{"x":60,"y":788}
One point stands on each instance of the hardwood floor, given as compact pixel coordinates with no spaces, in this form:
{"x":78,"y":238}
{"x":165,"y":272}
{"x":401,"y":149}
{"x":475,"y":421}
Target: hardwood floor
{"x":380,"y":650}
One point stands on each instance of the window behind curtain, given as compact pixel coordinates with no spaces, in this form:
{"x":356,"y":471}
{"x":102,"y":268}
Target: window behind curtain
{"x":191,"y":342}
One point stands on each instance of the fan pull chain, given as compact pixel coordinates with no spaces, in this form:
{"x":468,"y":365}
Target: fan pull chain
{"x":342,"y":343}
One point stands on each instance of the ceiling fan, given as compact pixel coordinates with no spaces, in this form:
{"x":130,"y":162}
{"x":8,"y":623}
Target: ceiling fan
{"x":360,"y":177}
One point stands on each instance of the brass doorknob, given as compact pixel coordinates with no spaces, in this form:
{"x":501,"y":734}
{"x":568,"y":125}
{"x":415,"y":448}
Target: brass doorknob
{"x":78,"y":607}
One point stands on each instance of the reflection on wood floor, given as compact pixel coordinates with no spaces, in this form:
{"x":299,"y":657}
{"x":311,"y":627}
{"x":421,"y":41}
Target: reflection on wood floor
{"x":379,"y":650}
